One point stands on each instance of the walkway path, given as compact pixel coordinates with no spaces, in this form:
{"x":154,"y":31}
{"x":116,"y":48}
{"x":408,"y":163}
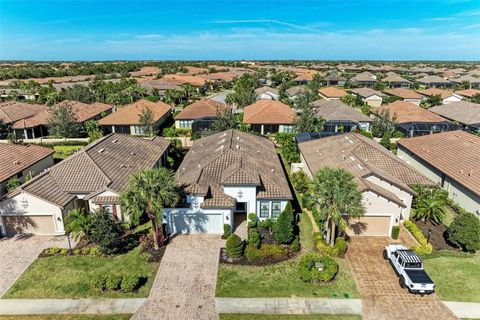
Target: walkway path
{"x":184,"y":287}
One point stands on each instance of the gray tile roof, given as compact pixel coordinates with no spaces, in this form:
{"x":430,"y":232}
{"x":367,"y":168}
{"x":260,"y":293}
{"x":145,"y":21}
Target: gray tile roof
{"x":332,"y":110}
{"x":463,"y":111}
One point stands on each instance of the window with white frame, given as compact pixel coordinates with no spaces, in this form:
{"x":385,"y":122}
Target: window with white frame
{"x":264,"y":209}
{"x":186,"y":123}
{"x":138,"y":130}
{"x":276,"y":209}
{"x":288,"y":128}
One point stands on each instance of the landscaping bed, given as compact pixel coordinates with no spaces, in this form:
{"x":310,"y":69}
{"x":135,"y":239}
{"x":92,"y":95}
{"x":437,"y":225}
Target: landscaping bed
{"x":438,"y":235}
{"x":281,"y":253}
{"x":247,"y":316}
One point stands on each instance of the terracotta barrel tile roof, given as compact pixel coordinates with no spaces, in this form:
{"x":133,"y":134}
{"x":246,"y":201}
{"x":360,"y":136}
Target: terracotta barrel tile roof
{"x":408,"y":112}
{"x":268,"y":112}
{"x":403,"y":93}
{"x":129,"y":114}
{"x":332,"y":92}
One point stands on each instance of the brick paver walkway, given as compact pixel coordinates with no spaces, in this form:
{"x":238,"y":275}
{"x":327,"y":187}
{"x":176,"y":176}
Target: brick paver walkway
{"x":184,"y":287}
{"x":382,"y":297}
{"x":17,"y":253}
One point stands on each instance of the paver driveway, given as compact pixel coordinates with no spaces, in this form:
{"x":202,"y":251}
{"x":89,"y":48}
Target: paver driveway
{"x":184,"y":287}
{"x":17,"y":253}
{"x":382,"y":297}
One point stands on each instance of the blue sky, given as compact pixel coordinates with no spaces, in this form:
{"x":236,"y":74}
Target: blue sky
{"x":324,"y":29}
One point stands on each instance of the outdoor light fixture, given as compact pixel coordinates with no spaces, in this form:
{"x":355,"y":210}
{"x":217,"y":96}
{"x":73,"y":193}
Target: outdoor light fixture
{"x":240,"y":194}
{"x":24,"y":203}
{"x":59,"y":219}
{"x":319,"y":266}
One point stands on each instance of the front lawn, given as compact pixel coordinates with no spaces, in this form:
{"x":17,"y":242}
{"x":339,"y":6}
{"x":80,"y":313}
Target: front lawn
{"x":281,"y":279}
{"x":230,"y":316}
{"x":68,"y":317}
{"x":59,"y":277}
{"x":456,"y":275}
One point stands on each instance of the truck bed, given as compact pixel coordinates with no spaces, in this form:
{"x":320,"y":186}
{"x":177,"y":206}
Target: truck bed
{"x":418,"y":276}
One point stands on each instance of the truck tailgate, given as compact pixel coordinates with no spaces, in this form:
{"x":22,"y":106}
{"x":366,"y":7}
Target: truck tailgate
{"x":418,"y":276}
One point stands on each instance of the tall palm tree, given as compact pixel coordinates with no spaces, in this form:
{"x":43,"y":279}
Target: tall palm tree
{"x":147,"y":193}
{"x":336,"y":194}
{"x":78,"y":223}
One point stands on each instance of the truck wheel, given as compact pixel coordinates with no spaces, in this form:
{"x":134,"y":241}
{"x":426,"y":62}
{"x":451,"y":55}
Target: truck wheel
{"x":402,"y":282}
{"x":385,"y":254}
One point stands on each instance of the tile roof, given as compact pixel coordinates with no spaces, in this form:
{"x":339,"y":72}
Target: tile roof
{"x":33,"y":121}
{"x":435,"y":91}
{"x":332,"y":92}
{"x":332,"y":110}
{"x":394,"y":77}
{"x":130,"y":114}
{"x":232,"y":157}
{"x":443,"y":150}
{"x":367,"y":92}
{"x":15,"y":158}
{"x":104,"y":164}
{"x":403,"y":93}
{"x":408,"y":112}
{"x":468,"y":92}
{"x":268,"y":112}
{"x":12,"y":111}
{"x":463,"y":111}
{"x":362,"y":157}
{"x":470,"y":79}
{"x":293,"y":91}
{"x":202,"y":108}
{"x":433,"y":79}
{"x":183,"y":79}
{"x":84,"y":111}
{"x":364,"y":77}
{"x":264,"y":89}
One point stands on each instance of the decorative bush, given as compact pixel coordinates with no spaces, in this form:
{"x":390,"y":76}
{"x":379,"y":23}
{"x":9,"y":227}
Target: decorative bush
{"x":77,"y":252}
{"x":284,"y":227}
{"x":252,"y":217}
{"x":464,"y":232}
{"x":267,"y":223}
{"x":99,"y":282}
{"x":300,"y":181}
{"x":86,"y":251}
{"x":226,"y":230}
{"x":423,"y":247}
{"x":254,"y":237}
{"x":308,"y":272}
{"x":130,"y":282}
{"x":252,"y":224}
{"x":234,"y":246}
{"x":94,"y":251}
{"x":252,"y":253}
{"x":105,"y":232}
{"x":340,"y":247}
{"x":54,"y":250}
{"x":273,"y":251}
{"x":395,"y":232}
{"x":63,"y":252}
{"x":295,"y":246}
{"x":113,"y":282}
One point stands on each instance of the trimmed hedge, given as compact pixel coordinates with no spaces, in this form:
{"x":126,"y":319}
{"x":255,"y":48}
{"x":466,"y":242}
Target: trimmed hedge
{"x":295,"y":246}
{"x":423,"y":247}
{"x":464,"y":232}
{"x":308,"y":272}
{"x":338,"y":249}
{"x":254,"y":237}
{"x":226,"y":230}
{"x":234,"y":246}
{"x":113,"y":282}
{"x":252,"y":253}
{"x":395,"y":232}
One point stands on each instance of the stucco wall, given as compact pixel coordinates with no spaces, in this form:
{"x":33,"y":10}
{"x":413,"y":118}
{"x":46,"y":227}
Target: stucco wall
{"x":248,"y":195}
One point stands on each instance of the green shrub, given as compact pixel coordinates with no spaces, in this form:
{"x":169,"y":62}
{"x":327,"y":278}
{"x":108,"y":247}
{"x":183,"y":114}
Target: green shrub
{"x":252,"y":253}
{"x":284,"y":228}
{"x":54,"y":250}
{"x":273,"y":251}
{"x":308,"y":272}
{"x":300,"y":181}
{"x":254,"y":237}
{"x":234,"y":246}
{"x":113,"y":282}
{"x":252,"y":224}
{"x":130,"y":282}
{"x":464,"y":231}
{"x":94,"y":251}
{"x":267,"y":223}
{"x":340,"y":247}
{"x":423,"y":247}
{"x":395,"y":232}
{"x":77,"y":252}
{"x":252,"y":217}
{"x":226,"y":230}
{"x":64,"y":252}
{"x":295,"y":246}
{"x":86,"y":251}
{"x":99,"y":282}
{"x":105,"y":232}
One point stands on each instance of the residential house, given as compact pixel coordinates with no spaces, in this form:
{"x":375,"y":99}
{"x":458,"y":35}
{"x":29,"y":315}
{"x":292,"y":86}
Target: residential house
{"x":369,"y":96}
{"x":464,"y":112}
{"x":197,"y":110}
{"x":92,"y":178}
{"x":293,"y":92}
{"x":334,"y":80}
{"x":468,"y":93}
{"x":450,"y":159}
{"x":472,"y":81}
{"x":413,"y":120}
{"x":446,"y":95}
{"x":383,"y":179}
{"x":266,"y":93}
{"x":434,"y":82}
{"x":161,"y":85}
{"x":269,"y":116}
{"x":340,"y":117}
{"x":127,"y":119}
{"x":21,"y":161}
{"x":332,"y":93}
{"x":405,"y":95}
{"x":13,"y":111}
{"x":393,"y":80}
{"x":224,"y":177}
{"x":364,"y":79}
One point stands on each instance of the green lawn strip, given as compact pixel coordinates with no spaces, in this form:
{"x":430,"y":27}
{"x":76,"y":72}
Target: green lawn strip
{"x":68,"y":317}
{"x":61,"y":277}
{"x":456,"y":275}
{"x":63,"y":152}
{"x":231,"y":316}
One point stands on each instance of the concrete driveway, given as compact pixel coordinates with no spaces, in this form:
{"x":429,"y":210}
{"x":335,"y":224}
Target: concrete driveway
{"x":382,"y":297}
{"x":184,"y":287}
{"x":17,"y":253}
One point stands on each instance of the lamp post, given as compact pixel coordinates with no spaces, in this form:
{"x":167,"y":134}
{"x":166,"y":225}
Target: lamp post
{"x":69,"y":244}
{"x":429,"y":233}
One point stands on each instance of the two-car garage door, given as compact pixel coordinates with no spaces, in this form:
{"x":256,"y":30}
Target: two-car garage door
{"x":42,"y":225}
{"x":196,"y":223}
{"x":369,"y":226}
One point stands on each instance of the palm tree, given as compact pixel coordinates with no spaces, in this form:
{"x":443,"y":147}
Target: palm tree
{"x":148,"y":192}
{"x":78,"y":223}
{"x":336,"y":195}
{"x":431,"y":208}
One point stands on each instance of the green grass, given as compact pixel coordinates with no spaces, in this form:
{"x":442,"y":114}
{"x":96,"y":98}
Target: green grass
{"x":281,"y":279}
{"x":230,"y":316}
{"x":61,"y":277}
{"x":63,"y":152}
{"x":68,"y":317}
{"x":456,"y":275}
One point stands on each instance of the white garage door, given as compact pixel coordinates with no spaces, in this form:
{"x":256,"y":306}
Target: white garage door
{"x":369,"y":226}
{"x":197,"y":223}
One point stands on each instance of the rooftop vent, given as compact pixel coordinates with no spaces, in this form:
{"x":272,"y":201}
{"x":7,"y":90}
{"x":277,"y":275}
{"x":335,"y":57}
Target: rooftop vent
{"x":273,"y":170}
{"x":237,"y":146}
{"x":133,"y":153}
{"x":115,"y":141}
{"x":16,"y":162}
{"x":101,"y":150}
{"x":258,"y":151}
{"x":123,"y":166}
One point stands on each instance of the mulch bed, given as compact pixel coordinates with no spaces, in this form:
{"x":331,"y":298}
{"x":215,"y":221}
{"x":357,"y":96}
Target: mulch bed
{"x":438,"y":236}
{"x":244,"y":262}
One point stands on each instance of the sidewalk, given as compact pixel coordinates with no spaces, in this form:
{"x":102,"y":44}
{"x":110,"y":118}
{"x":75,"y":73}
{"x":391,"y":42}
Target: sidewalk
{"x":69,"y":306}
{"x":464,"y":309}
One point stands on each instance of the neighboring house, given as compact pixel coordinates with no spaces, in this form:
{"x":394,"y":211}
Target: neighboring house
{"x":334,"y":80}
{"x":394,"y":80}
{"x":266,"y":93}
{"x":364,"y":79}
{"x":472,"y":81}
{"x":269,"y":116}
{"x":127,"y":119}
{"x":405,"y":95}
{"x":465,"y":113}
{"x":197,"y":110}
{"x":452,"y":160}
{"x":293,"y":92}
{"x":93,"y":177}
{"x":413,"y":120}
{"x":468,"y":94}
{"x":434,"y":82}
{"x":371,"y":97}
{"x":20,"y":161}
{"x":13,"y":111}
{"x":224,"y":177}
{"x":17,"y":93}
{"x":161,"y":85}
{"x":332,"y":93}
{"x":340,"y":117}
{"x":383,"y":179}
{"x":446,"y":95}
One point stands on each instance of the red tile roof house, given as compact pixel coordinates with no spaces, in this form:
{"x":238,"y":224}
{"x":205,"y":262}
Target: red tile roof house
{"x":447,"y":96}
{"x":332,"y":93}
{"x":197,"y":110}
{"x":93,"y":177}
{"x":127,"y":118}
{"x":19,"y":161}
{"x":383,"y":179}
{"x":13,"y":111}
{"x":269,"y":116}
{"x":405,"y":95}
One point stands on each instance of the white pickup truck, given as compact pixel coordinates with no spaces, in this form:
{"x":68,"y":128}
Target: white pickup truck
{"x":409,"y":268}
